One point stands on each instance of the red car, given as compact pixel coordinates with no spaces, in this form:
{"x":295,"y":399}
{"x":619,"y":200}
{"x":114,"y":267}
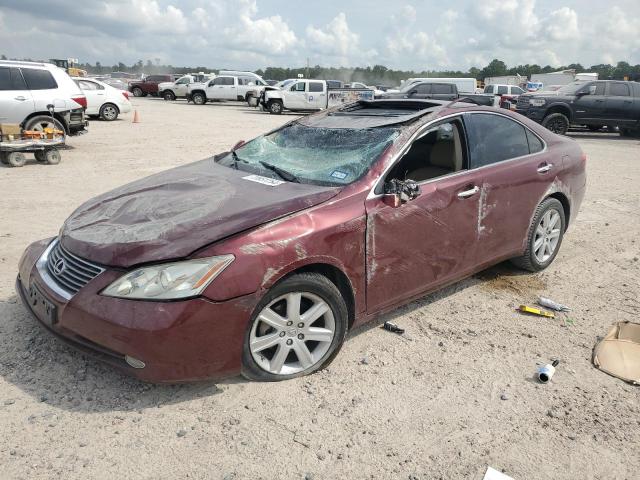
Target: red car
{"x":259,"y":260}
{"x":149,"y":85}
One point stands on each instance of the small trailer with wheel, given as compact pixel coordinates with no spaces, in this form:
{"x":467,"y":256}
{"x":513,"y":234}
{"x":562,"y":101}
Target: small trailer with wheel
{"x":45,"y":150}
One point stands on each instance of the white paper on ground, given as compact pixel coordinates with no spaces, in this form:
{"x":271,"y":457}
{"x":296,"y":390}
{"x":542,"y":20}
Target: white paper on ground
{"x":493,"y":474}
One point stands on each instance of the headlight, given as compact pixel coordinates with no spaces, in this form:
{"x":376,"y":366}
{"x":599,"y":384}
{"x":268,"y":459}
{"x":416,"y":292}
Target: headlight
{"x":537,"y":102}
{"x":169,"y":281}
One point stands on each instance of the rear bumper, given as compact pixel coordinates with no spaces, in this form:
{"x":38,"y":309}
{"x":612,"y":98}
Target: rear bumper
{"x":178,"y":341}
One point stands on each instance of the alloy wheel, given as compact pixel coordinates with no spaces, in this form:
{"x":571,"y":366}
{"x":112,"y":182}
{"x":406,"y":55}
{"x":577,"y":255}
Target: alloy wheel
{"x":547,"y":235}
{"x":292,"y":333}
{"x":557,"y":126}
{"x":109,"y":112}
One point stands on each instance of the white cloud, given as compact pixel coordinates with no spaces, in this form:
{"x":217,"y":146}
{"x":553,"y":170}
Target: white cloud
{"x":146,"y":15}
{"x":562,"y":25}
{"x":336,"y":40}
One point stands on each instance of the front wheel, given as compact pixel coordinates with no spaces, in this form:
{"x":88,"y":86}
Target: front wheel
{"x":199,"y":98}
{"x":545,"y":236}
{"x":557,"y":123}
{"x":296,"y":329}
{"x":275,"y":107}
{"x":137,"y":92}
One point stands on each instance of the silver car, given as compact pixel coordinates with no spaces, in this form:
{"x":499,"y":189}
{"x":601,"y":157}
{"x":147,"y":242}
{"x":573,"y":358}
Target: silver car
{"x":28,"y":88}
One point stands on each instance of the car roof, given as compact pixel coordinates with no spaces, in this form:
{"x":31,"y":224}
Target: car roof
{"x":20,"y":63}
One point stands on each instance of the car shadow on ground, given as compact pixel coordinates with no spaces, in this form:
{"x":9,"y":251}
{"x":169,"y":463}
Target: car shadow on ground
{"x":57,"y":375}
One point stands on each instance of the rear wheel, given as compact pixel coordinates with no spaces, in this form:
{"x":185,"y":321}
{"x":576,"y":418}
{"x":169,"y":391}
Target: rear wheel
{"x":168,"y":95}
{"x":275,"y":107}
{"x":296,"y":329}
{"x":109,"y":112}
{"x":137,"y":92}
{"x":545,"y":236}
{"x":41,"y":122}
{"x":557,"y":123}
{"x":199,"y":98}
{"x":16,"y":159}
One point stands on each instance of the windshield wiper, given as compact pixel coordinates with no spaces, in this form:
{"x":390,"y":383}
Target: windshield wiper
{"x":236,"y":159}
{"x":283,"y":174}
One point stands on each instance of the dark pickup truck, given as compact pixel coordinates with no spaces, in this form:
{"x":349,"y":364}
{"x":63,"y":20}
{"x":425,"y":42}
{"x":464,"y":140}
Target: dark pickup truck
{"x":593,"y":104}
{"x":441,"y":91}
{"x":149,"y":86}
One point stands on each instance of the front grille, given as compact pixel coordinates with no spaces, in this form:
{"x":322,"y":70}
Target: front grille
{"x":69,"y":271}
{"x":523,"y":102}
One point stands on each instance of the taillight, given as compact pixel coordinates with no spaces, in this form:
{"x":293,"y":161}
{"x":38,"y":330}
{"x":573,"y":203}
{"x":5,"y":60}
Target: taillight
{"x":82,"y":101}
{"x":584,"y":158}
{"x":125,"y":95}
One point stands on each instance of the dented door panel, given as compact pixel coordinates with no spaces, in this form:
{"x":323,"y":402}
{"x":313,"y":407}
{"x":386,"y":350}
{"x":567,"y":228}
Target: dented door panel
{"x":424,"y":243}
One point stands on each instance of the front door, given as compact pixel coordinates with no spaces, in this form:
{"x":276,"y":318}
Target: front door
{"x":223,"y":88}
{"x":296,"y":98}
{"x":430,"y":240}
{"x":16,"y":101}
{"x":589,"y":108}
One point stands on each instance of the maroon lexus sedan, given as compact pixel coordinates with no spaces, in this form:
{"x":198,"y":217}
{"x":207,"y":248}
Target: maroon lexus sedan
{"x":259,"y":260}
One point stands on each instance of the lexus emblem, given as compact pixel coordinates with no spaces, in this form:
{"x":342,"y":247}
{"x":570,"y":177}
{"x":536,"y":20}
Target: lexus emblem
{"x":58,"y":267}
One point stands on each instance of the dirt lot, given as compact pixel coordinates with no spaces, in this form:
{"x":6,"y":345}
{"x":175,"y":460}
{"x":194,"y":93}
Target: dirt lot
{"x":450,"y":397}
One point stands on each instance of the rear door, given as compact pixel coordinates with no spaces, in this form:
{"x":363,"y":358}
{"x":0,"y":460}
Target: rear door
{"x":619,"y":104}
{"x":16,"y":102}
{"x":94,"y":94}
{"x":443,"y":91}
{"x":516,"y":172}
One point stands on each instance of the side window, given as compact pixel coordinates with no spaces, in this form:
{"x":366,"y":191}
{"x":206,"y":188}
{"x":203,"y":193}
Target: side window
{"x":298,"y":87}
{"x":494,"y":138}
{"x":503,"y":90}
{"x":183,"y":81}
{"x":441,"y":88}
{"x":535,"y":144}
{"x":618,"y":89}
{"x":84,"y":85}
{"x":488,"y":89}
{"x":218,"y":81}
{"x":438,"y":152}
{"x":228,"y":81}
{"x":11,"y":79}
{"x":316,"y":87}
{"x":423,"y":89}
{"x":517,"y":91}
{"x":39,"y":79}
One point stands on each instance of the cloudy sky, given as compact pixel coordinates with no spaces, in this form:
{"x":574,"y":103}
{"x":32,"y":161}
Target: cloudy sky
{"x":250,"y":34}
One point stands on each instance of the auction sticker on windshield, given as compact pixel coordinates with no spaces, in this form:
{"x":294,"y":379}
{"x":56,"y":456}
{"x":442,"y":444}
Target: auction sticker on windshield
{"x":272,"y":182}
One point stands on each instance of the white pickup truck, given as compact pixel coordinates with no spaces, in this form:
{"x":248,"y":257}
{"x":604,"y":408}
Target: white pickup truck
{"x":225,"y":87}
{"x":180,"y":88}
{"x":308,"y":95}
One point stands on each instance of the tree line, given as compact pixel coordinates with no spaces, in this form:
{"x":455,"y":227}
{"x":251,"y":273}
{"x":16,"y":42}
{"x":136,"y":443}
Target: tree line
{"x":376,"y":75}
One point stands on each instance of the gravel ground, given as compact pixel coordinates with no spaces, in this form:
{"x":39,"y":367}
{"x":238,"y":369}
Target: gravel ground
{"x":451,"y":396}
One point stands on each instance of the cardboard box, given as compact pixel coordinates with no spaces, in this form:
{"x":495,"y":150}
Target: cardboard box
{"x":10,"y":129}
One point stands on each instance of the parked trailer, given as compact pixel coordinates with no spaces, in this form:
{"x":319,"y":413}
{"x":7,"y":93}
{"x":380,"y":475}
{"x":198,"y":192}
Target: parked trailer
{"x":505,"y":80}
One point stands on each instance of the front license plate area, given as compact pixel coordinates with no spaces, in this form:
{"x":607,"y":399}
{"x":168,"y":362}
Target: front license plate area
{"x":42,"y":306}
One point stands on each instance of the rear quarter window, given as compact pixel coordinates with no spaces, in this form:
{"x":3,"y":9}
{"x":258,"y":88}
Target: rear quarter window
{"x":39,"y":79}
{"x":535,"y":144}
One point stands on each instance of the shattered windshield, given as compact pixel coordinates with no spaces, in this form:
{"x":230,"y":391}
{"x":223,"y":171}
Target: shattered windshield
{"x":319,"y":156}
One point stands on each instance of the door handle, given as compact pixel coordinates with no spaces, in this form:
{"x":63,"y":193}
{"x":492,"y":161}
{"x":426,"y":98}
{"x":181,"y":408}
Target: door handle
{"x":469,"y":193}
{"x":545,"y":168}
{"x":21,"y":98}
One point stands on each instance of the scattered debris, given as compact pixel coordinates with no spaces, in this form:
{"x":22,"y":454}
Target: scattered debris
{"x":535,"y":311}
{"x":392,"y":327}
{"x":618,"y":353}
{"x":493,"y":474}
{"x":504,"y":396}
{"x":558,"y":307}
{"x":545,"y":372}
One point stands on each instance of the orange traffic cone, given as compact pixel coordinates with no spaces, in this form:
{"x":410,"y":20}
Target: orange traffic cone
{"x":136,"y":117}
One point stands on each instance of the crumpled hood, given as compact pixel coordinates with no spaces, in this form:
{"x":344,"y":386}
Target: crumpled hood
{"x":174,"y":213}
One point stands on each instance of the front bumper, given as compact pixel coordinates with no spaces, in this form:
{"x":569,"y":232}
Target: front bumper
{"x":178,"y":341}
{"x":535,"y":114}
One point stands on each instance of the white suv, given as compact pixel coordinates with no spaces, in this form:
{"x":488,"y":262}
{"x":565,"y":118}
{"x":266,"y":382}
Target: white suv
{"x":27,"y":88}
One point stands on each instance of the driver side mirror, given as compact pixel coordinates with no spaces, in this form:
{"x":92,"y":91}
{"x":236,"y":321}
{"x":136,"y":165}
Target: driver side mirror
{"x":398,"y":192}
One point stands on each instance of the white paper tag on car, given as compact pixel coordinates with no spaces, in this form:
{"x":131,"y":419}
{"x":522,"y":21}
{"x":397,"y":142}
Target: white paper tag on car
{"x":272,"y":182}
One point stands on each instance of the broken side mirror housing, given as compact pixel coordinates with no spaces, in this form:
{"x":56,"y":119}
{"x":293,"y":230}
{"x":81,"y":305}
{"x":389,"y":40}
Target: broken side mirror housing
{"x":398,"y":192}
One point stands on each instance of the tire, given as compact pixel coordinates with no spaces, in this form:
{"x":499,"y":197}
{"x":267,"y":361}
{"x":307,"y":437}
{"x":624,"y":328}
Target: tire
{"x":109,"y":112}
{"x":16,"y":159}
{"x":52,"y":156}
{"x":137,"y":92}
{"x":275,"y":107}
{"x":168,"y":95}
{"x":199,"y":98}
{"x":595,"y":128}
{"x":557,"y":123}
{"x":40,"y":122}
{"x":283,"y":339}
{"x":40,"y":156}
{"x":551,"y":212}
